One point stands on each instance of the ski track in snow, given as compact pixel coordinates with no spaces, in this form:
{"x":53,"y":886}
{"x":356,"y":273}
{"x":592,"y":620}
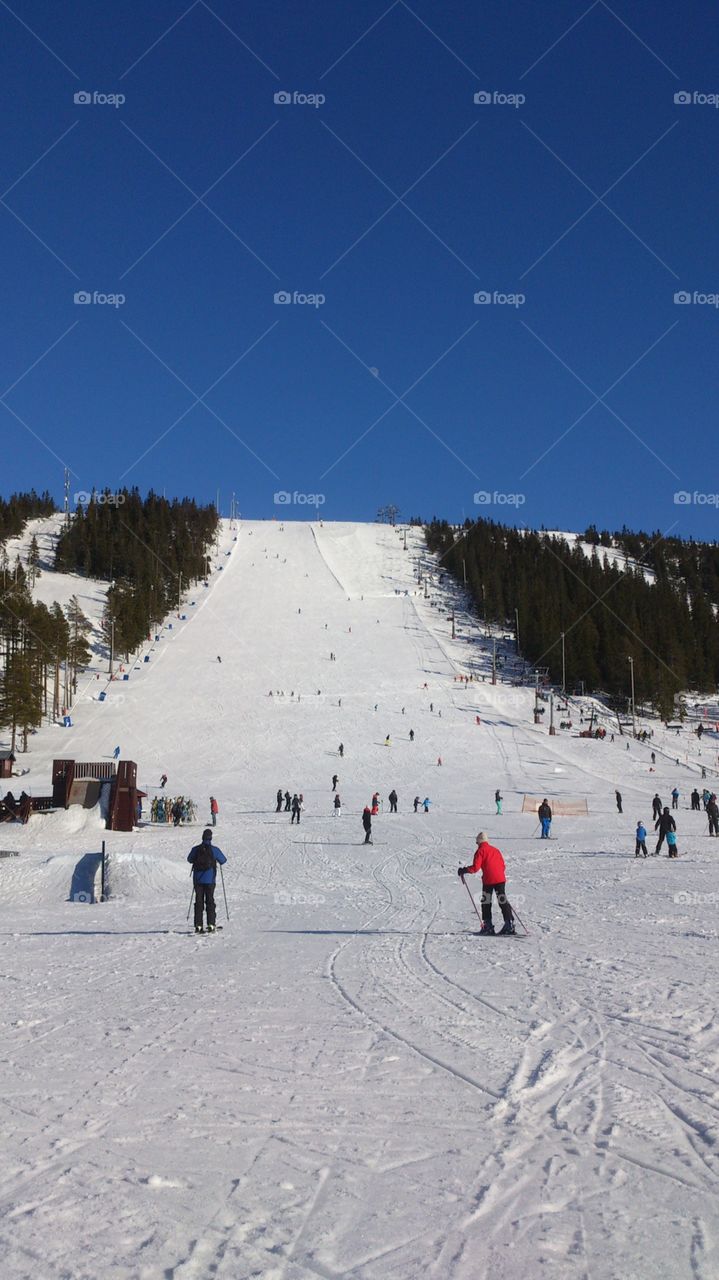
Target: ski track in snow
{"x":347,"y":1083}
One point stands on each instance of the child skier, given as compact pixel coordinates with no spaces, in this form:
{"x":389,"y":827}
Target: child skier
{"x":498,"y":801}
{"x":641,"y":840}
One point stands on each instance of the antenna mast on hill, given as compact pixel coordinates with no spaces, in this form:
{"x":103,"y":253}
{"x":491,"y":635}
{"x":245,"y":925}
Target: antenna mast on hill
{"x":67,"y":496}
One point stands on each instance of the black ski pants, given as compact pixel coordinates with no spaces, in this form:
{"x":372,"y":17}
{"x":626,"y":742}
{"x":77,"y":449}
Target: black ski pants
{"x":279,"y":806}
{"x":714,"y":826}
{"x":295,"y":814}
{"x":288,"y":806}
{"x":393,"y":806}
{"x":640,"y":847}
{"x":487,"y":890}
{"x":368,"y":835}
{"x":660,"y":841}
{"x":204,"y":900}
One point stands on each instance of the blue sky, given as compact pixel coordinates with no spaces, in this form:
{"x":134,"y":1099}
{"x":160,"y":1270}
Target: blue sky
{"x":591,"y":203}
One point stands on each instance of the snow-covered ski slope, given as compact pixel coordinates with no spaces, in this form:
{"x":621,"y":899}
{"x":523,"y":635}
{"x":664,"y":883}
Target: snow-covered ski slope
{"x":347,"y":1082}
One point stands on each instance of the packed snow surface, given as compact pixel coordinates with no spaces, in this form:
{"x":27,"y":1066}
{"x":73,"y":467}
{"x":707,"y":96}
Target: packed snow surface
{"x":347,"y":1082}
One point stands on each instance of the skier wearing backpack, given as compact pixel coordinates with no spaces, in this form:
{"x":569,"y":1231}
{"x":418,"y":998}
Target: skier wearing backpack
{"x":490,"y":862}
{"x":205,"y":858}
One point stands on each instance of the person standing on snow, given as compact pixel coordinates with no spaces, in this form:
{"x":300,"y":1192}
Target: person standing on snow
{"x":163,"y":781}
{"x":544,"y":813}
{"x":341,"y":749}
{"x":392,"y":797}
{"x":618,"y":798}
{"x":490,"y":862}
{"x":416,"y":803}
{"x":338,"y":805}
{"x":675,"y":798}
{"x":672,"y":851}
{"x":288,"y":802}
{"x":116,"y":753}
{"x":367,"y":824}
{"x":498,"y":800}
{"x":663,"y":824}
{"x":296,"y":809}
{"x":656,"y":806}
{"x":696,"y":801}
{"x":426,"y":803}
{"x":280,"y":799}
{"x":205,"y":858}
{"x":641,"y":840}
{"x":214,"y":810}
{"x":411,"y":735}
{"x":713,"y":816}
{"x":335,"y":780}
{"x":375,"y":804}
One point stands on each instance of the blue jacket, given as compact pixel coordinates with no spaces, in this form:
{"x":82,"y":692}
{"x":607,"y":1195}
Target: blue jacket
{"x":641,"y":832}
{"x":209,"y":876}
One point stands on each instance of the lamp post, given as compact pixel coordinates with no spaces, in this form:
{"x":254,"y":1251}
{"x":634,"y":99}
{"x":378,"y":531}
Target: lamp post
{"x":631,"y":673}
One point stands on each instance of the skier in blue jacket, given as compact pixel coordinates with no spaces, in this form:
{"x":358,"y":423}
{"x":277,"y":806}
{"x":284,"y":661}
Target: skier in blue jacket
{"x":204,"y":858}
{"x":641,"y":838}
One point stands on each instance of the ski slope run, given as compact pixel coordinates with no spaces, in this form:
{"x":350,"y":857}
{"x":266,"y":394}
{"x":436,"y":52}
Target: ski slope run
{"x":347,"y":1082}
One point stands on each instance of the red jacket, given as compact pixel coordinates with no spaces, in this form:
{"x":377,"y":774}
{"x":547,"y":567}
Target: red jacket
{"x":490,"y":862}
{"x":214,"y":807}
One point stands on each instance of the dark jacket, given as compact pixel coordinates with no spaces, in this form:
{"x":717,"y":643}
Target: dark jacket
{"x":544,"y":811}
{"x":367,"y":818}
{"x":210,"y":875}
{"x":664,"y":823}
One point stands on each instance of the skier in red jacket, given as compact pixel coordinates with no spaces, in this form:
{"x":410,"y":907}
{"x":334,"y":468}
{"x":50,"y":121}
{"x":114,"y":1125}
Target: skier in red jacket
{"x":490,"y":862}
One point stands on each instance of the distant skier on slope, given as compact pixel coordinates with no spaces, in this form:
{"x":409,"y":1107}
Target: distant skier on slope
{"x":338,"y":805}
{"x":341,"y":750}
{"x":416,"y":803}
{"x":675,"y":798}
{"x":288,"y":802}
{"x":490,"y":862}
{"x":712,"y":812}
{"x":696,"y":801}
{"x":296,"y":809}
{"x":544,"y":813}
{"x":498,"y":800}
{"x":367,"y":824}
{"x":205,"y":858}
{"x":618,"y":798}
{"x":426,"y":803}
{"x":411,"y":735}
{"x":163,"y":781}
{"x":116,"y":753}
{"x":214,"y":810}
{"x":392,"y":797}
{"x":335,"y":780}
{"x":656,"y":806}
{"x":280,"y":799}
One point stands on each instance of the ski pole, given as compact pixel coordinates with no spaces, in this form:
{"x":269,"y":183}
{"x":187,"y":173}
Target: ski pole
{"x":192,"y":895}
{"x":469,"y":891}
{"x":222,"y":878}
{"x":511,"y":908}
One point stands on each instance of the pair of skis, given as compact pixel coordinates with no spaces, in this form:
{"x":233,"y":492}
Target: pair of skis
{"x":514,"y":913}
